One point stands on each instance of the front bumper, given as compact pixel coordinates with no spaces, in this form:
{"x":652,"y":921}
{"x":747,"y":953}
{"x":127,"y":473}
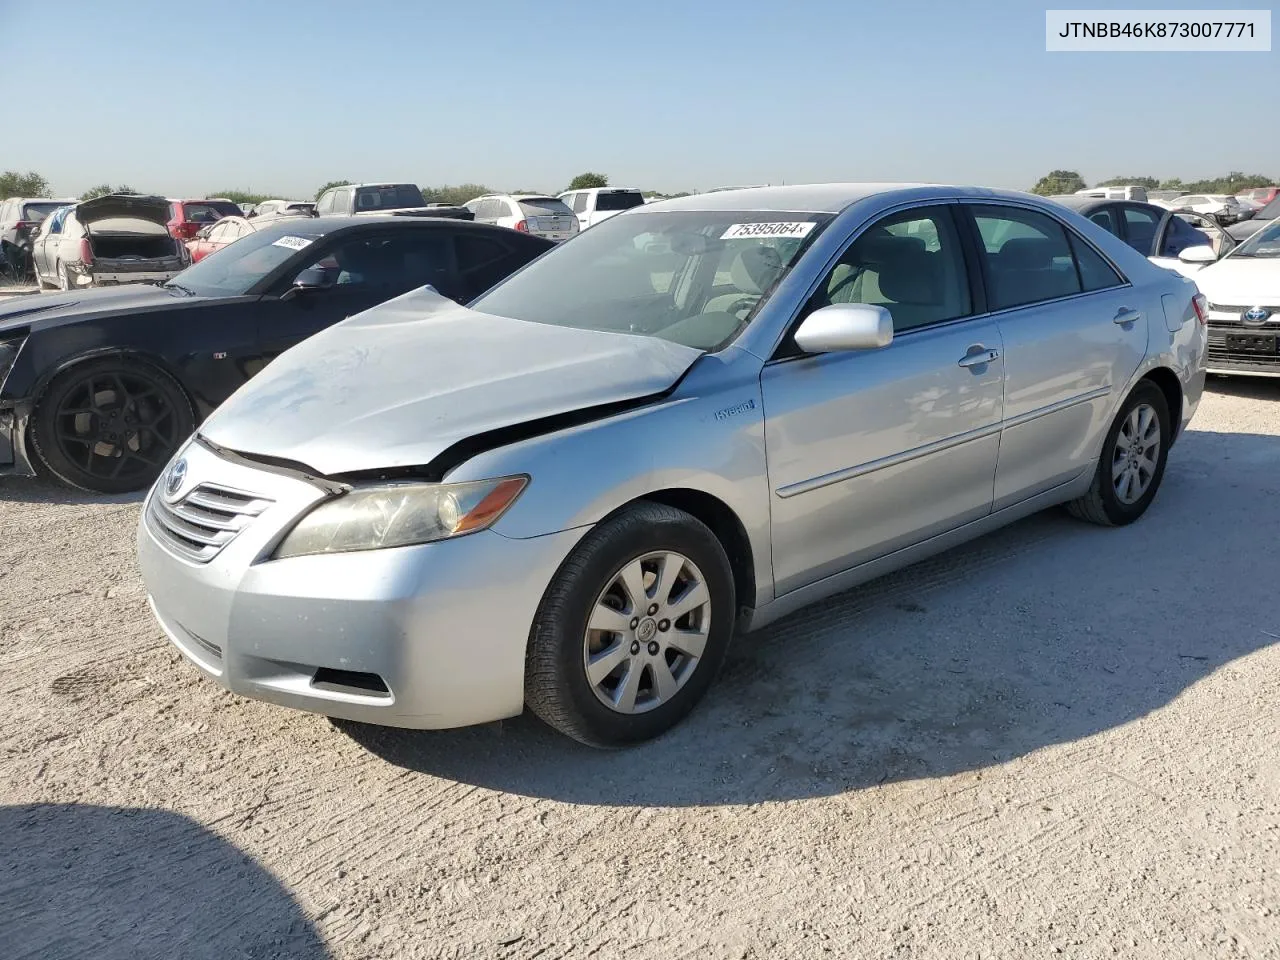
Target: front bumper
{"x":441,"y":628}
{"x":1239,"y":349}
{"x":14,"y":459}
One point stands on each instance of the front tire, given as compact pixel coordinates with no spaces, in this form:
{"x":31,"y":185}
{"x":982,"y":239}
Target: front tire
{"x":1132,"y":462}
{"x":632,"y":629}
{"x":110,"y":426}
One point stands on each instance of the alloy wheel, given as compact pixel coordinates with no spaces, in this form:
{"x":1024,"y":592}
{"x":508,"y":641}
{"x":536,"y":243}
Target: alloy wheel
{"x":116,"y":426}
{"x":646,"y":632}
{"x":1136,"y":454}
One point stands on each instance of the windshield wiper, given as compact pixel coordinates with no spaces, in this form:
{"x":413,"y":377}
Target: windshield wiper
{"x":177,"y":286}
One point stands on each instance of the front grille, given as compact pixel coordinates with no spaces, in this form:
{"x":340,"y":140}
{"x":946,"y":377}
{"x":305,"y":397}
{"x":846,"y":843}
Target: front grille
{"x":1230,"y":315}
{"x":203,"y":521}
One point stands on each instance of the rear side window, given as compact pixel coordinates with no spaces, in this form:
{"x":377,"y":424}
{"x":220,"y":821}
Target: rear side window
{"x":204,"y":212}
{"x":1106,"y":220}
{"x":1095,"y":272}
{"x":1028,"y":257}
{"x":618,"y":200}
{"x":1141,"y":228}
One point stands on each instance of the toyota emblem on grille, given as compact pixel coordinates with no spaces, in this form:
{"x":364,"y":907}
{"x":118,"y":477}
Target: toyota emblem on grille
{"x":1257,"y":314}
{"x":177,"y":473}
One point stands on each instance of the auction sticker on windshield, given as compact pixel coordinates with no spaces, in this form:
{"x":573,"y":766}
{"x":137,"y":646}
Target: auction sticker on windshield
{"x":761,"y":231}
{"x":293,"y":243}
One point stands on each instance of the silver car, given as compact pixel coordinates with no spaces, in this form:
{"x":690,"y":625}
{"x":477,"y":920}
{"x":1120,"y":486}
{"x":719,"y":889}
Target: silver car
{"x":690,"y":420}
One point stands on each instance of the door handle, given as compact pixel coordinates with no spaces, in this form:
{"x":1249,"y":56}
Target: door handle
{"x":978,"y":355}
{"x":1126,"y":315}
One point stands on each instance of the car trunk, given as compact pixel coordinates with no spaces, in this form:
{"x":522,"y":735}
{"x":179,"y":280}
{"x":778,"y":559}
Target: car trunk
{"x":124,"y":247}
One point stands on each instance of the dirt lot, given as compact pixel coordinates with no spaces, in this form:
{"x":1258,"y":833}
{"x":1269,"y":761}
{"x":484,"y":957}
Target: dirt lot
{"x":1059,"y":740}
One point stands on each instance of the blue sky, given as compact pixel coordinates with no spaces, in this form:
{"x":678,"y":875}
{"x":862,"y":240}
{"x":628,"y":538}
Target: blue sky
{"x":183,"y":97}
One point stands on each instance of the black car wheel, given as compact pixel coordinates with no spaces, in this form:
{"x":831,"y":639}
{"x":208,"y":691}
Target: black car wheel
{"x":110,"y":426}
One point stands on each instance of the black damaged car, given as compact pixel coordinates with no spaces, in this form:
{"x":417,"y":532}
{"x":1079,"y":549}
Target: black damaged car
{"x":99,"y":387}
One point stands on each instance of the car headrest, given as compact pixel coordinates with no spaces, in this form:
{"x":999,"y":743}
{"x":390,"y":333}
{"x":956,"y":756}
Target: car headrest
{"x":755,"y":269}
{"x":1027,"y":253}
{"x":911,"y":276}
{"x":880,"y":245}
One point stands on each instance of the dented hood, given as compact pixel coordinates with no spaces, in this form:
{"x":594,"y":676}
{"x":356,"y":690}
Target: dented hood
{"x":397,"y":385}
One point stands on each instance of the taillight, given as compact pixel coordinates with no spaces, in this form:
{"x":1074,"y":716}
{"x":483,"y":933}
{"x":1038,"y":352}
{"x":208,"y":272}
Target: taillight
{"x":1201,"y":305}
{"x":21,"y":224}
{"x":86,"y":251}
{"x":523,"y":226}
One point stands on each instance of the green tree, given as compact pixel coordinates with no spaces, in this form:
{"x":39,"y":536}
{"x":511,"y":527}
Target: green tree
{"x":329,"y":185}
{"x":455,"y":195}
{"x":585,"y":181}
{"x":29,"y":184}
{"x":241,"y":197}
{"x":1173,"y":183}
{"x":1058,"y":181}
{"x":102,"y":189}
{"x":1233,"y":182}
{"x":1151,"y":183}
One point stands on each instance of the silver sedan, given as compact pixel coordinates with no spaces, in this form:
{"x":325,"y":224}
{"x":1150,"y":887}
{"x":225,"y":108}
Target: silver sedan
{"x":687,"y":421}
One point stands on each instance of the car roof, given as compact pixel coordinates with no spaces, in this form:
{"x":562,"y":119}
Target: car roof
{"x":318,"y":226}
{"x":826,"y":197}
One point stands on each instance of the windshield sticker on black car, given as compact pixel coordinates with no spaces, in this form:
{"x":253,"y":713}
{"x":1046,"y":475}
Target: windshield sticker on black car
{"x":293,"y":243}
{"x":738,"y":231}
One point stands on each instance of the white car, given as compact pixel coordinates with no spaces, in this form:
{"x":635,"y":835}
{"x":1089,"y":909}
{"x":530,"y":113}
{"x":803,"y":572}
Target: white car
{"x":530,"y":213}
{"x":1243,"y":290}
{"x":1225,"y":208}
{"x":600,"y":203}
{"x":274,"y":208}
{"x":115,"y":239}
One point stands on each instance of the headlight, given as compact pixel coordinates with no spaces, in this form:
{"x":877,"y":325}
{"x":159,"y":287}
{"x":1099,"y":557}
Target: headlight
{"x":400,"y":514}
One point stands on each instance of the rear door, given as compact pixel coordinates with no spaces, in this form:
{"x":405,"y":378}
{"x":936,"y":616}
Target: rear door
{"x":1074,"y":331}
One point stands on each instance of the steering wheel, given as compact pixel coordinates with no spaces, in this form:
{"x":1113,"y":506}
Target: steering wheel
{"x":743,"y":304}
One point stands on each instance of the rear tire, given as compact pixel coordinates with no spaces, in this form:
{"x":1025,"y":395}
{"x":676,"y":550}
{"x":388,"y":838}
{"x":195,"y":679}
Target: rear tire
{"x":1132,"y":462}
{"x":111,"y":425}
{"x":604,"y":665}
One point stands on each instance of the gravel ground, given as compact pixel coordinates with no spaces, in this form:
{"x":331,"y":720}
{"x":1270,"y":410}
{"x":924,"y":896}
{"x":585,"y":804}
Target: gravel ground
{"x":1058,"y":740}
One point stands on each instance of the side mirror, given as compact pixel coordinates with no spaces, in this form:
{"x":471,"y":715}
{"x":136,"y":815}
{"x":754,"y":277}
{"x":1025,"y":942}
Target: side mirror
{"x":1200,"y":253}
{"x":312,"y":278}
{"x":845,"y":326}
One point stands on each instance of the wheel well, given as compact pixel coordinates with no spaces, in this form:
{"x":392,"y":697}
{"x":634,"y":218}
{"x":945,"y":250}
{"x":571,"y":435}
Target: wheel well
{"x":1170,"y":386}
{"x":724,"y":523}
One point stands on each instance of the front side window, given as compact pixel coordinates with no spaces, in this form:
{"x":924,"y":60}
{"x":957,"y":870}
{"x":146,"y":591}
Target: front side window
{"x":695,"y":278}
{"x":1186,"y":230}
{"x":1105,"y":218}
{"x":910,"y":263}
{"x":390,"y":265}
{"x":579,"y":203}
{"x":1027,"y":257}
{"x":1140,"y":226}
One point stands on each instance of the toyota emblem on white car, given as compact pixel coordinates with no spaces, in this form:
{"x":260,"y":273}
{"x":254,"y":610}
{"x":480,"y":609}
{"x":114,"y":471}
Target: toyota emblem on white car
{"x":177,"y":473}
{"x":1257,"y":314}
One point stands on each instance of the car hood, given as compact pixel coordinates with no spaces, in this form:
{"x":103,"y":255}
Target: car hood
{"x":1241,"y":281}
{"x":48,"y":309}
{"x":397,"y":385}
{"x":115,"y":206}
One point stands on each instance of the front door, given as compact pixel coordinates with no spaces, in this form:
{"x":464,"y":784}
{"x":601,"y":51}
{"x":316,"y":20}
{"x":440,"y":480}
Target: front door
{"x":872,"y":451}
{"x":1181,"y":231}
{"x":1074,"y":332}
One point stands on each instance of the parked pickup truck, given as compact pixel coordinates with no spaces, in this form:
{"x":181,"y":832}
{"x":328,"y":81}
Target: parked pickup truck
{"x":109,"y":240}
{"x":370,"y":199}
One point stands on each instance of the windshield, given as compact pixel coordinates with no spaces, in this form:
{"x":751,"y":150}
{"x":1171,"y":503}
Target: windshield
{"x":1270,"y":211}
{"x":1265,"y":244}
{"x":38,"y":211}
{"x":233,"y":270}
{"x":544,"y":207}
{"x":390,"y":197}
{"x":692,"y":278}
{"x":618,"y":199}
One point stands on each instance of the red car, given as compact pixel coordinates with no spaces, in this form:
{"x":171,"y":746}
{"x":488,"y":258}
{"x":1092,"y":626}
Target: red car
{"x":1260,"y":195}
{"x":188,"y":217}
